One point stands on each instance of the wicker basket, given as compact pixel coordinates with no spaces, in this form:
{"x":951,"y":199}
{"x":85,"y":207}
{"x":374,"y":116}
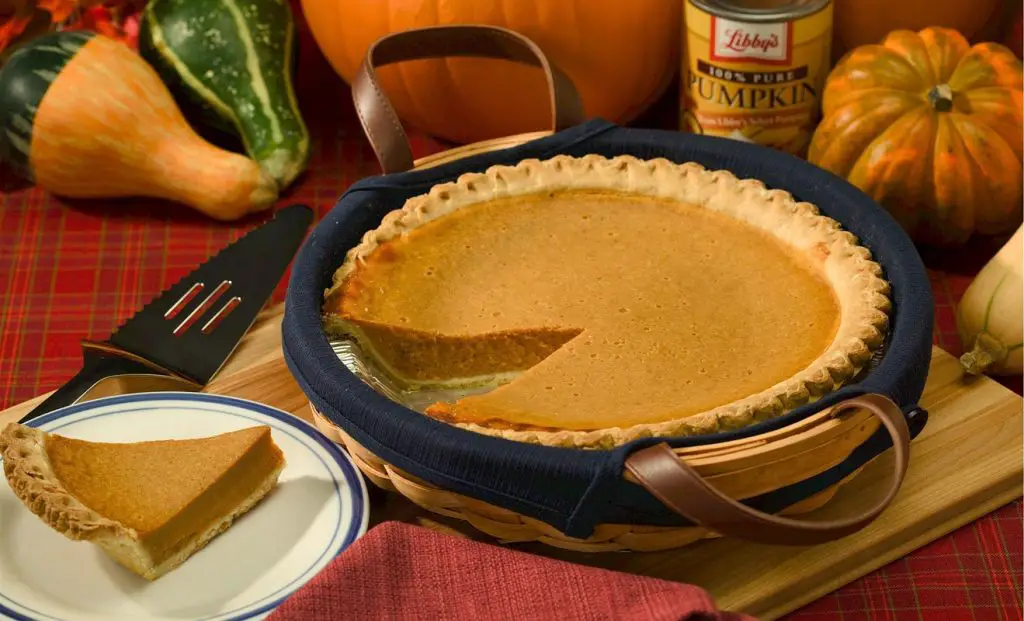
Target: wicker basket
{"x":738,"y":469}
{"x":734,"y":465}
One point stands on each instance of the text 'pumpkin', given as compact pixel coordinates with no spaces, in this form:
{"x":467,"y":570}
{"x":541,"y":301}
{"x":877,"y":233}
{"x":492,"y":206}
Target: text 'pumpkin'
{"x":931,"y":128}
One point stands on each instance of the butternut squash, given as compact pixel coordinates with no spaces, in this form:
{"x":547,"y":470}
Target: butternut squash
{"x":990,"y":316}
{"x":83,"y":116}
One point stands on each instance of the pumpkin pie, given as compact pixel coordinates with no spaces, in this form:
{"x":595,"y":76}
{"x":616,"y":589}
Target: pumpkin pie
{"x":607,"y":299}
{"x":149,"y":505}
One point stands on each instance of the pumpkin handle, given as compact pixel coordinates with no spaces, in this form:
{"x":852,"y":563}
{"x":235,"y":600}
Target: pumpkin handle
{"x":679,"y":486}
{"x":378,"y":117}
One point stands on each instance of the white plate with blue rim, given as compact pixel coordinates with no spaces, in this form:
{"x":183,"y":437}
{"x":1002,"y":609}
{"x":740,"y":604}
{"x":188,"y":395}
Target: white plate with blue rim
{"x":318,"y":509}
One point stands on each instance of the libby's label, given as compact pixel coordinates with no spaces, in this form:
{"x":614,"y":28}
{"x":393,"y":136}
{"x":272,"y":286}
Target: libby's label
{"x":756,"y":82}
{"x":766,"y":43}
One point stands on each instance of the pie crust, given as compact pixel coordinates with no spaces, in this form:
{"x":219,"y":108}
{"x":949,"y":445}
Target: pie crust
{"x":860,"y":290}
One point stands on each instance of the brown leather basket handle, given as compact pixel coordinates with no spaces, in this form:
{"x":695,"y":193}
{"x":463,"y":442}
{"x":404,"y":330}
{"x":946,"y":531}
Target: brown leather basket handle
{"x":378,"y":117}
{"x":679,"y":486}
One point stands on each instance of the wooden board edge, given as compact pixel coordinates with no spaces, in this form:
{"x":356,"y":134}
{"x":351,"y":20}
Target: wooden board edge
{"x":1010,"y":490}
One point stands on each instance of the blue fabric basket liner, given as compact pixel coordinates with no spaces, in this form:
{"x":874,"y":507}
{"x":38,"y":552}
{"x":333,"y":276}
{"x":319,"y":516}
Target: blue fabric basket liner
{"x":574,"y":489}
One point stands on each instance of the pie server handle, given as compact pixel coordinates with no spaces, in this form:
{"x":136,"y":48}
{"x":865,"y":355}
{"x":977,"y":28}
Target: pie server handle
{"x":683,"y":490}
{"x":102,"y":362}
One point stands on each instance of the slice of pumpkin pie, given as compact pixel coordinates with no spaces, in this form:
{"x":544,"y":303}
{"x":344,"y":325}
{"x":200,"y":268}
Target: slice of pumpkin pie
{"x":149,"y":505}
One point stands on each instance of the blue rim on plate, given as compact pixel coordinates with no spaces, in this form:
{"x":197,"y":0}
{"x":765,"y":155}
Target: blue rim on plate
{"x":358,"y":502}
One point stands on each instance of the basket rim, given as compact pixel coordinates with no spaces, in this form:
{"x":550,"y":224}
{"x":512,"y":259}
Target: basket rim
{"x":309,"y":355}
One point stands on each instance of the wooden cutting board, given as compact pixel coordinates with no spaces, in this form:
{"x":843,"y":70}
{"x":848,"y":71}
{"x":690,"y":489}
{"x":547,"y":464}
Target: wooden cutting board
{"x":966,"y":463}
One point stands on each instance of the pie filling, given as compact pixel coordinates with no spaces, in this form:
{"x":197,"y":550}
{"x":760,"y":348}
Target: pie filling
{"x":164,"y":504}
{"x":592,"y":309}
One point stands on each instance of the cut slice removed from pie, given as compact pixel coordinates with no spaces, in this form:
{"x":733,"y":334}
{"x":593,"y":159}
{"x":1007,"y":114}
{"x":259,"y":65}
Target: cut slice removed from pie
{"x":149,"y":505}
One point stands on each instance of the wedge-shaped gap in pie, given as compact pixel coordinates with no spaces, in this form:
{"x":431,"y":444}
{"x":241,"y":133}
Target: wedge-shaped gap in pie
{"x":417,"y":359}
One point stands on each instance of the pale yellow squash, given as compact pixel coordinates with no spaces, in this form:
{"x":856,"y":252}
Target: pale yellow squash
{"x":990,"y":316}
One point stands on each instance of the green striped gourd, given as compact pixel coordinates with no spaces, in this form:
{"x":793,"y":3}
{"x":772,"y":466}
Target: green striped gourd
{"x":83,"y":116}
{"x":233,"y":60}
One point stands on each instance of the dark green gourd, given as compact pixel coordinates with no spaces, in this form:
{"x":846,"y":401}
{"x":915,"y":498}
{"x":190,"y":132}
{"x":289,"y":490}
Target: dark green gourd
{"x":232,"y":61}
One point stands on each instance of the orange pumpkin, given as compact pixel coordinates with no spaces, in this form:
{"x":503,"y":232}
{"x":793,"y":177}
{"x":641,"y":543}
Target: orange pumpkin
{"x":862,"y":22}
{"x":931,"y":128}
{"x":620,"y":56}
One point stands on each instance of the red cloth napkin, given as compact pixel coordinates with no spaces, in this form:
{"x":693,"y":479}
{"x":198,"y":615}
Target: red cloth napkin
{"x":401,"y":571}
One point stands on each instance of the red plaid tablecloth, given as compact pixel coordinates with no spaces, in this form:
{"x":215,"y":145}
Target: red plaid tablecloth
{"x":76,"y":270}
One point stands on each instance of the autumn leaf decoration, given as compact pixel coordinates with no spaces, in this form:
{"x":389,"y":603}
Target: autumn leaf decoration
{"x":15,"y":19}
{"x":22,"y":19}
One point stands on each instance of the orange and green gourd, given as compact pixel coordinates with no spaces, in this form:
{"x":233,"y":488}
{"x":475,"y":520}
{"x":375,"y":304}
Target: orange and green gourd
{"x":83,"y":116}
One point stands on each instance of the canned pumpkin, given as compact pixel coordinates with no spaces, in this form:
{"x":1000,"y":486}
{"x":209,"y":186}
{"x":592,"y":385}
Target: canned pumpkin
{"x":753,"y":70}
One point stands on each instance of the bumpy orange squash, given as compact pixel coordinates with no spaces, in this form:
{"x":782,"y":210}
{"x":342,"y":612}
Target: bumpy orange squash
{"x":620,"y":55}
{"x":931,"y":128}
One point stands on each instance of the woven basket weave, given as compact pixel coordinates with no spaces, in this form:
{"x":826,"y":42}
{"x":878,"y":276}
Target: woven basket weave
{"x":511,"y":527}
